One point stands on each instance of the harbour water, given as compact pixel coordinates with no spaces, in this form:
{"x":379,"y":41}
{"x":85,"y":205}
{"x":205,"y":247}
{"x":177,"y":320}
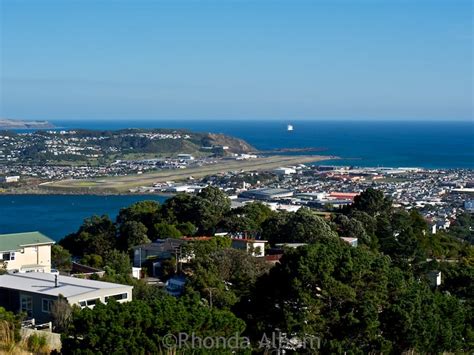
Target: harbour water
{"x":58,"y":215}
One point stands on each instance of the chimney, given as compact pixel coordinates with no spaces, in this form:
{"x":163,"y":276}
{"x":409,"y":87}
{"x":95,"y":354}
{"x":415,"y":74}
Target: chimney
{"x":56,"y":281}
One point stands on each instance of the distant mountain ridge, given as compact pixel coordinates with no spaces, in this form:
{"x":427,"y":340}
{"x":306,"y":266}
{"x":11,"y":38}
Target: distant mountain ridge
{"x":6,"y":123}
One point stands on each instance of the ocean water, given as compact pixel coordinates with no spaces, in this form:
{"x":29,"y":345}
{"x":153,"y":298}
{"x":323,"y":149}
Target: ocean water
{"x":362,"y":143}
{"x":58,"y":215}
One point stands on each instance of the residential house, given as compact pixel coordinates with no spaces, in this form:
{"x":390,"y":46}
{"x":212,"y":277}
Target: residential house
{"x":35,"y":292}
{"x":26,"y":252}
{"x":156,"y":252}
{"x":252,"y":246}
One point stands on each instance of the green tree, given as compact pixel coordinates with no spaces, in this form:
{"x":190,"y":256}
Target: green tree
{"x":132,"y":233}
{"x":248,"y":218}
{"x":180,"y":209}
{"x":205,"y":210}
{"x":303,"y":226}
{"x":93,"y":260}
{"x":164,"y":230}
{"x":187,"y":228}
{"x":401,"y":240}
{"x":419,"y":319}
{"x":118,"y":262}
{"x":211,"y":205}
{"x":146,"y":212}
{"x":97,"y":235}
{"x":60,"y":258}
{"x":227,"y":274}
{"x":463,"y":227}
{"x":373,"y":202}
{"x":274,"y":228}
{"x":353,"y":228}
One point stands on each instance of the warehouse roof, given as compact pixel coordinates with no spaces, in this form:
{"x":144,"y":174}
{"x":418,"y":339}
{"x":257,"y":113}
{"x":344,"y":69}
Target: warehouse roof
{"x":44,"y":283}
{"x":15,"y":241}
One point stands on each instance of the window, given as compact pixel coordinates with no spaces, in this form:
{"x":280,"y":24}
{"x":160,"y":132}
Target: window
{"x":7,"y":256}
{"x":46,"y":305}
{"x":92,"y":302}
{"x":121,"y":296}
{"x":26,"y":304}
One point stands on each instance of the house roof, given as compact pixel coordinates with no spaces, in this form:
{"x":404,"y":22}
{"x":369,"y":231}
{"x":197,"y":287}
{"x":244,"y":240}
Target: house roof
{"x":162,"y":245}
{"x":15,"y":241}
{"x":44,"y":283}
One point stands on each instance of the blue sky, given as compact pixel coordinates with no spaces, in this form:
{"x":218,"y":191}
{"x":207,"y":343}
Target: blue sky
{"x":223,"y":59}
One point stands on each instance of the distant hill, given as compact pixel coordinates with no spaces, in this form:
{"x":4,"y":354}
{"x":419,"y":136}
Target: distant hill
{"x":164,"y":141}
{"x":83,"y":146}
{"x":6,"y":123}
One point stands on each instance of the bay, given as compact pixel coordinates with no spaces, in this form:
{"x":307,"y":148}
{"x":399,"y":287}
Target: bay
{"x":58,"y":215}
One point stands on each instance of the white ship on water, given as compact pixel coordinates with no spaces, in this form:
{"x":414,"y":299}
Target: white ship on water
{"x":289,"y":127}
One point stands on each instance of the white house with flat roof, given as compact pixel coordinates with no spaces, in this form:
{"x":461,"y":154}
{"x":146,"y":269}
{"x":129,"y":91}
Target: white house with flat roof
{"x":252,"y":246}
{"x":25,"y":252}
{"x":35,"y":292}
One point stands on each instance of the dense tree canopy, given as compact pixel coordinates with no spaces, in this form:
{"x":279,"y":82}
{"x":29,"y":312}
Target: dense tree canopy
{"x":354,"y":300}
{"x":139,"y":327}
{"x":302,"y":226}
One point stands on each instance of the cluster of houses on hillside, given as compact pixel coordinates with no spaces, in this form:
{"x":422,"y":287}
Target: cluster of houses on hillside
{"x":29,"y":284}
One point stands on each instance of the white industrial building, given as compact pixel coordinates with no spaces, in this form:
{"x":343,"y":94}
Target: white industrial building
{"x":284,"y":171}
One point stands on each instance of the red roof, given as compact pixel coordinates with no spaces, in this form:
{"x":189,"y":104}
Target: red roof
{"x":197,"y":238}
{"x":350,"y":195}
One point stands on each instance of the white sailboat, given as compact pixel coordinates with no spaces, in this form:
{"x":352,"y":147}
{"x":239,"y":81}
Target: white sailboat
{"x":289,"y":127}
